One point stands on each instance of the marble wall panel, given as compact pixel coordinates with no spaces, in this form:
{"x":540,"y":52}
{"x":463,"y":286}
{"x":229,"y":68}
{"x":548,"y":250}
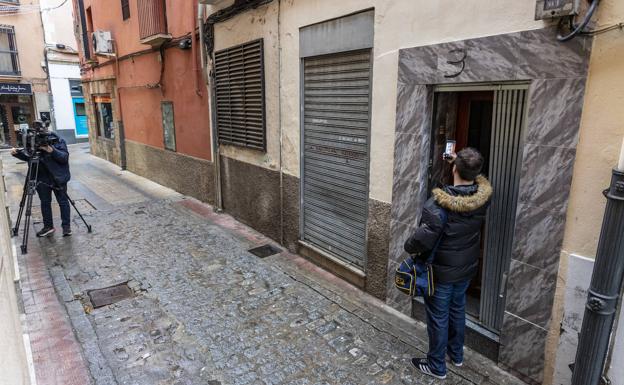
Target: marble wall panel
{"x":557,"y":73}
{"x":529,"y":293}
{"x":554,"y":112}
{"x":542,"y":56}
{"x":538,"y":235}
{"x":522,"y":347}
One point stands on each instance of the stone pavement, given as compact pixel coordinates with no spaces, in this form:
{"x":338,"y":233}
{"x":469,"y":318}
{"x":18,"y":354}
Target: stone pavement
{"x":206,"y":311}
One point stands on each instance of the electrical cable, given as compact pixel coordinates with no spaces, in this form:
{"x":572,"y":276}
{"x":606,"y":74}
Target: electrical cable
{"x":576,"y":30}
{"x":53,"y":8}
{"x":599,"y":31}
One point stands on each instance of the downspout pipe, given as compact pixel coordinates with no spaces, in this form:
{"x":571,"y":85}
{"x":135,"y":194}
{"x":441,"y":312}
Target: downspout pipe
{"x":604,"y":291}
{"x":209,"y":82}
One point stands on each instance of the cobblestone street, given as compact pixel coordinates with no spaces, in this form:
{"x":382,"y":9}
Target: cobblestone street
{"x":204,"y":310}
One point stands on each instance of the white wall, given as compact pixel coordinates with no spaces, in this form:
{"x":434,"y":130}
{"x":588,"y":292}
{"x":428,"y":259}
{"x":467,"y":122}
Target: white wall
{"x":63,"y":106}
{"x":576,"y":285}
{"x":58,"y":24}
{"x":13,"y":362}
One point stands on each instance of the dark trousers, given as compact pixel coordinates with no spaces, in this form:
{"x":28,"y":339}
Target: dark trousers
{"x":45,"y":196}
{"x":446,"y":322}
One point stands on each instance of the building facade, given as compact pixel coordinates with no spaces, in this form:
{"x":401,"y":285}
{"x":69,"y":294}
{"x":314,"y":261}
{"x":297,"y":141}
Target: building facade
{"x":330,"y":120}
{"x":68,"y":115}
{"x":24,"y":91}
{"x":145,"y":100}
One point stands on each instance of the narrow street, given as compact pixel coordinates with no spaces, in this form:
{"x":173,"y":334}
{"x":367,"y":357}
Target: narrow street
{"x":201,"y":308}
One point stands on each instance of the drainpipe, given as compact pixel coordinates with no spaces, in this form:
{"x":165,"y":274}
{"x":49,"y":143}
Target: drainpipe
{"x":50,"y":95}
{"x":605,"y":288}
{"x":208,"y":76}
{"x":194,"y":48}
{"x":120,"y":122}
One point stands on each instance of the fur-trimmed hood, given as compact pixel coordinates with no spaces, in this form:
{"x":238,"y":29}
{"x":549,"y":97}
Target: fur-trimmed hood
{"x":465,"y":203}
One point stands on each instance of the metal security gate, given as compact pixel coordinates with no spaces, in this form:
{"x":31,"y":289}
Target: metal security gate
{"x":505,"y":163}
{"x":335,"y":153}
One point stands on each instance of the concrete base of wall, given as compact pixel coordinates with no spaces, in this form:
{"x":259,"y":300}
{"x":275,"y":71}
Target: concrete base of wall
{"x":105,"y":149}
{"x":378,"y":248}
{"x":185,"y":174}
{"x":252,"y":195}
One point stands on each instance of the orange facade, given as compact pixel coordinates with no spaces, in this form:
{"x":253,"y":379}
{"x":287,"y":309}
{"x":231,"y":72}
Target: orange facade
{"x":146,"y":76}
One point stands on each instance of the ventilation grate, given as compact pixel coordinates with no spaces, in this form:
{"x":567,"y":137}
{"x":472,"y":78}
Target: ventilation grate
{"x":265,"y":251}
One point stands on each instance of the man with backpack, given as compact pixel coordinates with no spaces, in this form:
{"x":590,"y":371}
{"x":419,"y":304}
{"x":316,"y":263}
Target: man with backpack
{"x":450,"y":228}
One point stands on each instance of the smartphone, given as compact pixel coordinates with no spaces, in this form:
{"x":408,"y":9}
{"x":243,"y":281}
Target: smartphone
{"x":450,"y":149}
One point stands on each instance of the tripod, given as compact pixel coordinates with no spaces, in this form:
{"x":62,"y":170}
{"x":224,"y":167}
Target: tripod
{"x":30,"y":187}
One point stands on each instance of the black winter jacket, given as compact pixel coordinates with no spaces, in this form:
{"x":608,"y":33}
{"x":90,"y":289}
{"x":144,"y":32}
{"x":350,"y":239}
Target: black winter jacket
{"x":54,"y":166}
{"x":457,"y":257}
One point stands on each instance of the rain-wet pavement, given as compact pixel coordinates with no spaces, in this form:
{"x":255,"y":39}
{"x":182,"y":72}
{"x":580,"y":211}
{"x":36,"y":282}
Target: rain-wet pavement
{"x":203,"y":309}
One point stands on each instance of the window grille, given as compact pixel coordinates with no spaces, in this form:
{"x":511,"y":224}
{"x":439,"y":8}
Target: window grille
{"x":9,"y":60}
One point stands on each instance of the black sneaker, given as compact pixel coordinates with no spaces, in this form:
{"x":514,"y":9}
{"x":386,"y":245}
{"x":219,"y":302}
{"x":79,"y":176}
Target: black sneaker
{"x":45,"y":232}
{"x":422,"y":364}
{"x":67,"y":231}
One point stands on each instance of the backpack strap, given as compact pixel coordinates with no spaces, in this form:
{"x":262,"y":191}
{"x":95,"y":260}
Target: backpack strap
{"x":444,"y":219}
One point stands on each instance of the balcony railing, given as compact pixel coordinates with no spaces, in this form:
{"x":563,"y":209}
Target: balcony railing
{"x":153,"y":22}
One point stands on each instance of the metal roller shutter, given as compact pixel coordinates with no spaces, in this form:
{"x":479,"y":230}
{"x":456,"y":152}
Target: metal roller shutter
{"x":505,"y":162}
{"x":336,"y":122}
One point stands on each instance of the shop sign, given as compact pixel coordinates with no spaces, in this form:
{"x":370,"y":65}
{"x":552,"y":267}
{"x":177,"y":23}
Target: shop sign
{"x":15,"y":89}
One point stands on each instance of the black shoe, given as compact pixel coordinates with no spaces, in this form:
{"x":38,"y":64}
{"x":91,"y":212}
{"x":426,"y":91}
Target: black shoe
{"x":45,"y":232}
{"x":422,"y":364}
{"x":67,"y":231}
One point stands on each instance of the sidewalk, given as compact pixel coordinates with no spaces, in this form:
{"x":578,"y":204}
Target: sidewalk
{"x":203,"y":310}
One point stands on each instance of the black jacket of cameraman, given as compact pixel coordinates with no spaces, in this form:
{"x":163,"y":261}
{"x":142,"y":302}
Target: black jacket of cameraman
{"x":457,"y":257}
{"x":54,"y":168}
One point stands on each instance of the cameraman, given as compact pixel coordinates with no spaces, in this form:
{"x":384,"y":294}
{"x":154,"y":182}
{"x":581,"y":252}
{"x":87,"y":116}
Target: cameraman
{"x":53,"y":176}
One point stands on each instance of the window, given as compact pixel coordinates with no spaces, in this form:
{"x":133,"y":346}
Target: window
{"x":80,"y":109}
{"x":9,"y":62}
{"x":239,"y":73}
{"x":104,"y":116}
{"x":125,"y":9}
{"x":168,"y":125}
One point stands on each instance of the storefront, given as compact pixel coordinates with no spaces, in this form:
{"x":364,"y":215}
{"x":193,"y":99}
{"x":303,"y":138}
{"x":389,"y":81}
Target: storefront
{"x":17,"y":111}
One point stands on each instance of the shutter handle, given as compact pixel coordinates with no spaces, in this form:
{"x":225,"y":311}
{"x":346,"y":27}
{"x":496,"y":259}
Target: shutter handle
{"x":503,"y":286}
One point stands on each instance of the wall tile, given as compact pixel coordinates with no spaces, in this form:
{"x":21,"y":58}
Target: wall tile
{"x":538,"y":236}
{"x":546,"y":177}
{"x":541,"y":56}
{"x":407,"y":159}
{"x":522,"y":347}
{"x":554,"y":115}
{"x":412,"y":107}
{"x":530,"y":293}
{"x":492,"y":57}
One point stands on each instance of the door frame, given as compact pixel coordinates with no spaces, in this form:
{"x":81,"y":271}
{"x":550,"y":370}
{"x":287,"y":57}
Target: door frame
{"x":480,"y":87}
{"x":80,"y":99}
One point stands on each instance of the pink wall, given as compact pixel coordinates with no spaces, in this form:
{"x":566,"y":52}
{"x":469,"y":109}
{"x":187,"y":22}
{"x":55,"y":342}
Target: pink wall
{"x":142,"y":105}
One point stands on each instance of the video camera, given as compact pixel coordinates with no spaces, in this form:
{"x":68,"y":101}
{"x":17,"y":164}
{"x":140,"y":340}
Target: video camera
{"x":37,"y":136}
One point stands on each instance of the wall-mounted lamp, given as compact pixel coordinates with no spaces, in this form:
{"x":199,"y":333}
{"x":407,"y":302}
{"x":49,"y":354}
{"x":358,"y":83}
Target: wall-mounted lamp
{"x":185,"y":44}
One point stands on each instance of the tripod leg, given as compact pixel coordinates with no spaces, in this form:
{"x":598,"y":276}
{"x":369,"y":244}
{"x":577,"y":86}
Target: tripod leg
{"x":24,"y":246}
{"x":71,"y":201}
{"x":32,"y":187}
{"x":22,"y":202}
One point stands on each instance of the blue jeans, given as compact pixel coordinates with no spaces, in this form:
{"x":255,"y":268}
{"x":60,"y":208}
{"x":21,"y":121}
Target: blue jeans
{"x":45,"y":196}
{"x":446,"y":321}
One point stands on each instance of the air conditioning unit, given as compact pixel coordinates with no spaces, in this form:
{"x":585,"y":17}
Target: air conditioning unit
{"x":102,"y":43}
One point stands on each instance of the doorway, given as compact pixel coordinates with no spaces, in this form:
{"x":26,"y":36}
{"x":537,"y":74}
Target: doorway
{"x":489,"y":119}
